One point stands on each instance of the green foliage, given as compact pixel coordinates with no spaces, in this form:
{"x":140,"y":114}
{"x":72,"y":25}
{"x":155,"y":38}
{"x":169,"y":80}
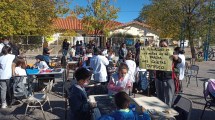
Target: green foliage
{"x":29,"y":17}
{"x":96,"y":15}
{"x":174,"y":18}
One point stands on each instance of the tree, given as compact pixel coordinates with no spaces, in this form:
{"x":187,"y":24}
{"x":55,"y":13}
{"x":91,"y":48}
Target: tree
{"x":29,"y":17}
{"x":96,"y":15}
{"x":172,"y":18}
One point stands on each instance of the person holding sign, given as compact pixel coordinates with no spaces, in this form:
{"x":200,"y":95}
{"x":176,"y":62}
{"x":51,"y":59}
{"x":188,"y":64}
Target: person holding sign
{"x":165,"y":86}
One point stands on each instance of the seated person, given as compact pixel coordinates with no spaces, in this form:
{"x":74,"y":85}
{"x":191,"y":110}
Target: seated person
{"x":122,"y":102}
{"x":78,"y":101}
{"x":40,"y":63}
{"x":120,"y":81}
{"x":20,"y":69}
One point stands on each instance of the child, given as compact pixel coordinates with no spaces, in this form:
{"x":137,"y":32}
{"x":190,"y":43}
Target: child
{"x":123,"y":112}
{"x":40,"y":63}
{"x":20,"y":68}
{"x":120,"y":81}
{"x":80,"y":108}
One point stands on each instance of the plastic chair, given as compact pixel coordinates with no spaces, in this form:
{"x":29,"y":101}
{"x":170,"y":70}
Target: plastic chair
{"x":209,"y":99}
{"x":183,"y":106}
{"x":39,"y":99}
{"x":192,"y":72}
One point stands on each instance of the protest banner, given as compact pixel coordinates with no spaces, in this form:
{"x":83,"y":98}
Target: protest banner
{"x":152,"y":58}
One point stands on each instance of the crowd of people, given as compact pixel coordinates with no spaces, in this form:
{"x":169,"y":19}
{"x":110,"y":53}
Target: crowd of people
{"x":96,"y":62}
{"x":167,"y":82}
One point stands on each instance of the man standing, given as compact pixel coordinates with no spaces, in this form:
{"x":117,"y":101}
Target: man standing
{"x":65,"y":47}
{"x":99,"y":63}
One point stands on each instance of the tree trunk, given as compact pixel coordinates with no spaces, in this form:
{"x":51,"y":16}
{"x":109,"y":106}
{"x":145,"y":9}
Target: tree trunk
{"x":192,"y":48}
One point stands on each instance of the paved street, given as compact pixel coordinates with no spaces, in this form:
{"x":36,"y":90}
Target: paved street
{"x":207,"y":70}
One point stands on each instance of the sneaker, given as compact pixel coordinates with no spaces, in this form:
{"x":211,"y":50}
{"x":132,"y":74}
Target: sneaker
{"x":4,"y":105}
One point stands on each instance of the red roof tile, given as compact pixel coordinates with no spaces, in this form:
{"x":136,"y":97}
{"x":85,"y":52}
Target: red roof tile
{"x":130,"y":23}
{"x":70,"y":23}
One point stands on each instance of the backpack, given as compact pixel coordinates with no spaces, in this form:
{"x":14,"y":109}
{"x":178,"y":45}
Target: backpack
{"x":143,"y":81}
{"x":19,"y":88}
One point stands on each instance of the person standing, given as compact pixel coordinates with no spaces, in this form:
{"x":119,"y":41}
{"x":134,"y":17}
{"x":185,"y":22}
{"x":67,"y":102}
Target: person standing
{"x":6,"y":61}
{"x":131,"y":67}
{"x":137,"y":47}
{"x":122,"y":52}
{"x":72,"y":53}
{"x":99,"y":63}
{"x":164,"y":83}
{"x":65,"y":47}
{"x":180,"y":66}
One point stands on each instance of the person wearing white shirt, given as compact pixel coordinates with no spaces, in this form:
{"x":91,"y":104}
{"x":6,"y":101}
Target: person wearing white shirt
{"x":20,"y":69}
{"x":40,"y":63}
{"x":132,"y":67}
{"x":180,"y":66}
{"x":98,"y":63}
{"x":6,"y":61}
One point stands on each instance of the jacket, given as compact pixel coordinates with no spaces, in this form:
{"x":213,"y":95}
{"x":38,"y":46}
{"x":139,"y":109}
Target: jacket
{"x":99,"y":63}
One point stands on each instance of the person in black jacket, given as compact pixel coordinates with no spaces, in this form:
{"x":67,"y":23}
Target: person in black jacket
{"x":65,"y":47}
{"x":122,"y":52}
{"x":79,"y":105}
{"x":165,"y":86}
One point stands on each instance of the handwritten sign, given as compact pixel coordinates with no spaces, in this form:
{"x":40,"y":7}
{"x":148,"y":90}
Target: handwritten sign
{"x":152,"y":58}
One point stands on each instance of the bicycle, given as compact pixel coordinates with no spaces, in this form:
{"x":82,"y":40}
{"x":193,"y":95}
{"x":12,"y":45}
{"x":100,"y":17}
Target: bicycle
{"x":211,"y":54}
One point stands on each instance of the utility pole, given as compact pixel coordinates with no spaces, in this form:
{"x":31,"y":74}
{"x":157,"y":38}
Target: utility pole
{"x":208,"y":37}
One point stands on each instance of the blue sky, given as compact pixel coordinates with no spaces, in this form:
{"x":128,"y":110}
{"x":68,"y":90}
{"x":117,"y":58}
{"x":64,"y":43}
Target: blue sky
{"x":129,"y":9}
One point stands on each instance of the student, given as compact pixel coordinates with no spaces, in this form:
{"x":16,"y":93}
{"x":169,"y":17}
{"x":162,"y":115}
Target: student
{"x":180,"y":66}
{"x":5,"y":74}
{"x":120,"y":81}
{"x":132,"y":66}
{"x":78,"y":101}
{"x":99,"y":63}
{"x":40,"y":63}
{"x":123,"y":112}
{"x":20,"y":68}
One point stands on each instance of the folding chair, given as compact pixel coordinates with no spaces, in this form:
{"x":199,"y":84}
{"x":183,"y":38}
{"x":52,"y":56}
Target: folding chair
{"x":183,"y":106}
{"x":192,"y":72}
{"x":210,"y":100}
{"x":39,"y":99}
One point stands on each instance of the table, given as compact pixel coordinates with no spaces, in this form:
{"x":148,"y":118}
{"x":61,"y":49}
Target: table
{"x":106,"y":105}
{"x":153,"y":103}
{"x":59,"y":71}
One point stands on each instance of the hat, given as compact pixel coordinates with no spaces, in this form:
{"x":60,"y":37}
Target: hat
{"x":40,"y":57}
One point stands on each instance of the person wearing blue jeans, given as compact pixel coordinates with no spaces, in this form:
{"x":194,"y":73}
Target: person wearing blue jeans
{"x":65,"y":47}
